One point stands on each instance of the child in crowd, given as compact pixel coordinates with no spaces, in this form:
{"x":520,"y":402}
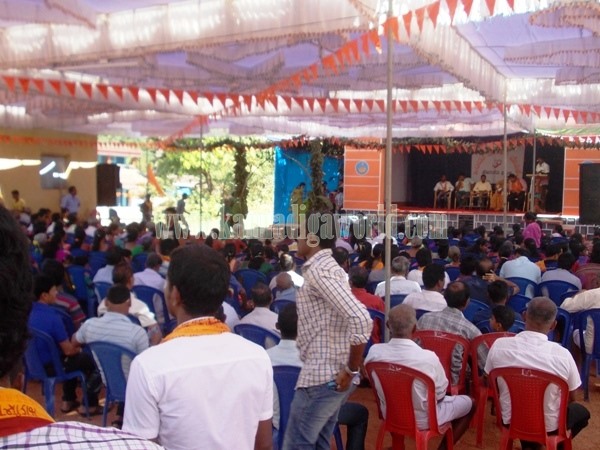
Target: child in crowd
{"x":502,"y":318}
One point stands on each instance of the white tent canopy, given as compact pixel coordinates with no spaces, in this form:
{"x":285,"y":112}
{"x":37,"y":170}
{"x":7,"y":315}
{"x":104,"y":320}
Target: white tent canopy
{"x":289,"y":67}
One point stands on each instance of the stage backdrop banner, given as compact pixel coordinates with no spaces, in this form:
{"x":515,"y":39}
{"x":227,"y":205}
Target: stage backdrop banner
{"x":491,"y":164}
{"x":363,"y":178}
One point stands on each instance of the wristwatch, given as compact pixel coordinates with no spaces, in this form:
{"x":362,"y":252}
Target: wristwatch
{"x":350,"y":371}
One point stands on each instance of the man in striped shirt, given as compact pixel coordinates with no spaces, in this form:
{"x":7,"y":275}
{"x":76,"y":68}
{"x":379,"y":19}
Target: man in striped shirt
{"x":333,"y":328}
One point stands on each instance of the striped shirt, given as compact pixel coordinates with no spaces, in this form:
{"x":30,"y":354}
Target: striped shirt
{"x":330,"y":320}
{"x":116,"y":329}
{"x":76,"y":436}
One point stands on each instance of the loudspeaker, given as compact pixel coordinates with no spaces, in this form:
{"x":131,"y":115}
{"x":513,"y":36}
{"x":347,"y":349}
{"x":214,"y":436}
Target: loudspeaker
{"x":589,"y":194}
{"x":107,"y":183}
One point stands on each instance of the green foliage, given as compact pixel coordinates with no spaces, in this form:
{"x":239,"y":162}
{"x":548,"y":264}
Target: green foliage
{"x":316,"y":200}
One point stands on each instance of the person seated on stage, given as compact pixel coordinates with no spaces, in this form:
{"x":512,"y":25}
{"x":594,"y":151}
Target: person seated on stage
{"x":401,"y":349}
{"x":463,"y":190}
{"x":481,"y":192}
{"x":516,"y":193}
{"x":443,"y":190}
{"x":496,"y":200}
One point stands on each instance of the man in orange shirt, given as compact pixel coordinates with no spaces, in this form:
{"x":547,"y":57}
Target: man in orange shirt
{"x":516,"y":193}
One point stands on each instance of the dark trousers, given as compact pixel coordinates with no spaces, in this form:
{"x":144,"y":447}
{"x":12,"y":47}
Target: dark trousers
{"x":356,"y":418}
{"x":515,"y":201}
{"x":84,"y":362}
{"x":577,"y":419}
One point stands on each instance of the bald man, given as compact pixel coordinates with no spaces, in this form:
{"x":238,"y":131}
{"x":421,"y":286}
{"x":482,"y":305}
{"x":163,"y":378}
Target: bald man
{"x":531,"y":349}
{"x":458,"y":409}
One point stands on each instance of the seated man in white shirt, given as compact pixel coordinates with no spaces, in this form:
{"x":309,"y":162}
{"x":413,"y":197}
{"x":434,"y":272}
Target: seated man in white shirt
{"x":463,"y":190}
{"x":399,"y":285}
{"x":104,"y":274}
{"x":401,"y":349}
{"x":563,"y":271}
{"x":424,"y":258}
{"x":481,"y":192}
{"x":261,"y":315}
{"x":531,"y":349}
{"x":287,"y":264}
{"x":150,"y":276}
{"x":442,"y":191}
{"x":430,"y":298}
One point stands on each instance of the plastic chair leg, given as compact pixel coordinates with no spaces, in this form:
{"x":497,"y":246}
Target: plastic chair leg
{"x":48,"y":387}
{"x":84,"y":396}
{"x":105,"y":409}
{"x":337,"y":435}
{"x":480,"y":415}
{"x":380,"y":436}
{"x":585,"y":377}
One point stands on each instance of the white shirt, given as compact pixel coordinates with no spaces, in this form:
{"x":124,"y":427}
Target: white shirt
{"x":149,"y":277}
{"x":561,"y":275}
{"x":408,"y":353}
{"x":443,"y":186}
{"x":584,"y":301}
{"x":297,"y":279}
{"x":138,"y":309}
{"x":399,"y":285}
{"x":523,"y":268}
{"x":262,"y":317}
{"x":542,"y":168}
{"x":343,"y":244}
{"x":427,"y":300}
{"x":417,"y":275}
{"x":70,"y":203}
{"x":466,"y":186}
{"x":231,"y":317}
{"x":104,"y":274}
{"x":532,"y":350}
{"x":182,"y":392}
{"x":285,"y":354}
{"x":482,"y":186}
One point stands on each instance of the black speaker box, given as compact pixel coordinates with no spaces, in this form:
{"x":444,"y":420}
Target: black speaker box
{"x":589,"y":194}
{"x":107,"y":183}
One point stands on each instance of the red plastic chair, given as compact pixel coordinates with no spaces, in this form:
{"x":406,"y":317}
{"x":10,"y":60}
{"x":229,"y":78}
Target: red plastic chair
{"x":481,"y":392}
{"x":527,"y":388}
{"x":443,"y":345}
{"x":396,"y":383}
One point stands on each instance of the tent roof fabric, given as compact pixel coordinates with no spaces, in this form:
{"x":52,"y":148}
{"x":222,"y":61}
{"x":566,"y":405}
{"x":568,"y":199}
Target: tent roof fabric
{"x":291,"y":67}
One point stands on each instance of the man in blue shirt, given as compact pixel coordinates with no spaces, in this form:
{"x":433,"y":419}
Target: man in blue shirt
{"x":70,"y":202}
{"x":44,"y":318}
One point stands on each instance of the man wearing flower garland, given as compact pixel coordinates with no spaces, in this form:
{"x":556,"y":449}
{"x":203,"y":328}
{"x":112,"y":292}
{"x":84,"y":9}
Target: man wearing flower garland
{"x":188,"y":391}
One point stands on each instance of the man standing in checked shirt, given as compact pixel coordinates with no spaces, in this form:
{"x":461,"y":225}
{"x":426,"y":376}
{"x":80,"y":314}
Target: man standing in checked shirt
{"x":333,"y":328}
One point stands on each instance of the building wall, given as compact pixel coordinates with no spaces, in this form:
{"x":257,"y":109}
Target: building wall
{"x":32,"y":144}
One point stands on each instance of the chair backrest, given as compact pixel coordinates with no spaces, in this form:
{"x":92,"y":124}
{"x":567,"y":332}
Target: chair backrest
{"x":378,"y":328}
{"x":420,"y":312}
{"x":473,"y":307}
{"x":256,"y":334}
{"x":371,"y":286}
{"x":527,"y":419}
{"x":593,"y":316}
{"x":138,"y":262}
{"x":517,"y":327}
{"x":78,"y":278}
{"x":443,"y":345}
{"x":147,"y":294}
{"x":396,"y":386}
{"x":484,"y":326}
{"x":518,"y":303}
{"x":278,"y":305}
{"x":563,"y":325}
{"x":285,"y":378}
{"x":96,"y":261}
{"x":554,"y":289}
{"x":113,"y":362}
{"x":527,"y":287}
{"x":488,"y":340}
{"x":102,"y":288}
{"x":249,"y":277}
{"x":397,"y":299}
{"x":42,"y":342}
{"x":453,"y":272}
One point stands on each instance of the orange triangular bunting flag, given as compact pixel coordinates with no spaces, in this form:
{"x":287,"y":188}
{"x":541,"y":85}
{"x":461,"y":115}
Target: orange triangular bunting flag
{"x":575,"y":115}
{"x":392,"y":23}
{"x":194,"y":96}
{"x":118,"y":90}
{"x":479,"y":106}
{"x":10,"y":83}
{"x":178,"y":93}
{"x":70,"y":85}
{"x":374,"y":38}
{"x":24,"y":82}
{"x":359,"y":105}
{"x":381,"y":104}
{"x":458,"y":105}
{"x":433,"y":11}
{"x":364,"y":39}
{"x":152,"y":93}
{"x":369,"y":104}
{"x":548,"y":111}
{"x":437,"y":105}
{"x":537,"y":109}
{"x":223,"y":98}
{"x":103,"y":89}
{"x":511,"y":3}
{"x":527,"y":109}
{"x":556,"y":112}
{"x":490,"y":5}
{"x":414,"y":104}
{"x":56,"y":85}
{"x":467,"y":4}
{"x":448,"y":105}
{"x":39,"y":84}
{"x":311,"y":104}
{"x":430,"y":148}
{"x":135,"y":92}
{"x":329,"y":63}
{"x":322,"y":103}
{"x":346,"y":103}
{"x":299,"y":102}
{"x":452,"y":8}
{"x":584,"y":116}
{"x":407,"y":20}
{"x":566,"y":114}
{"x":288,"y":101}
{"x":420,"y":14}
{"x":353,"y":46}
{"x":404,"y":105}
{"x":87,"y":88}
{"x":468,"y":106}
{"x":335,"y":104}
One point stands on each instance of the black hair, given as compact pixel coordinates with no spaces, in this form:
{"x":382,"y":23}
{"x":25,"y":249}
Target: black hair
{"x":286,"y":262}
{"x":288,"y":321}
{"x":114,"y":256}
{"x":55,"y":270}
{"x":42,"y":284}
{"x":566,"y":261}
{"x":432,"y":274}
{"x":423,"y":257}
{"x":118,"y":294}
{"x":340,"y":255}
{"x":468,"y":265}
{"x":261,"y":294}
{"x":457,"y":294}
{"x":122,"y":273}
{"x":358,"y":276}
{"x":504,"y":315}
{"x":498,"y":291}
{"x":166,"y":246}
{"x":153,"y":260}
{"x":201,"y":276}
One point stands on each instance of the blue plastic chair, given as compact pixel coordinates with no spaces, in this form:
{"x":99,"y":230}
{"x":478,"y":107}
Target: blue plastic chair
{"x":278,"y":305}
{"x":101,"y":289}
{"x":453,"y":272}
{"x":256,"y":334}
{"x":138,"y":262}
{"x":527,"y":287}
{"x":83,"y":292}
{"x":285,"y":378}
{"x":564,"y":324}
{"x":517,"y":327}
{"x":484,"y":326}
{"x":473,"y":307}
{"x":96,"y":261}
{"x":518,"y":303}
{"x":554,"y":289}
{"x":110,"y":358}
{"x":35,"y":370}
{"x":587,"y":358}
{"x":249,"y":277}
{"x":376,"y":316}
{"x":396,"y":300}
{"x":420,"y":312}
{"x":371,"y":286}
{"x":146,"y":294}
